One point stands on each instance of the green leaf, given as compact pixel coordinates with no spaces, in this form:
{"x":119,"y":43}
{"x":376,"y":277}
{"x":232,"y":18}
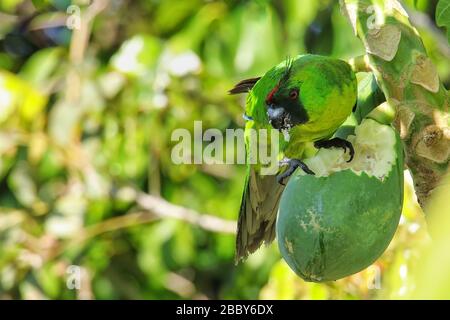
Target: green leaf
{"x":39,"y":67}
{"x":22,"y":185}
{"x":40,"y":4}
{"x":443,"y":16}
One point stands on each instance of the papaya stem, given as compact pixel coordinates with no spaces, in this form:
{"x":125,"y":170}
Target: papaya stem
{"x":360,"y":63}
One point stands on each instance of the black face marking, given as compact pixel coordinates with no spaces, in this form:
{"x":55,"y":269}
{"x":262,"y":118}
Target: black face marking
{"x":286,"y":110}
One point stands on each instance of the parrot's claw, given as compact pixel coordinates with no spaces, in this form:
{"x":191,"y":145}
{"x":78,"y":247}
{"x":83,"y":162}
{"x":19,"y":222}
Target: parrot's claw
{"x":293,"y":164}
{"x":338,"y":143}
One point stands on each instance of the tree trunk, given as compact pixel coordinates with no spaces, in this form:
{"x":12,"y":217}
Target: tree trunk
{"x":409,"y":80}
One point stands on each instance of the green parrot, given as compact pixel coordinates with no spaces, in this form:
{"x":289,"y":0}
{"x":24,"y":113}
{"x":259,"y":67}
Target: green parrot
{"x":306,"y":99}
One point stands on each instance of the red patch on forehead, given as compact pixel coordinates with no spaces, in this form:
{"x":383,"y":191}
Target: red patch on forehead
{"x":271,"y":93}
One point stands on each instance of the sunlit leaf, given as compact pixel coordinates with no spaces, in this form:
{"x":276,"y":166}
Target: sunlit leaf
{"x":18,"y":95}
{"x":137,"y":55}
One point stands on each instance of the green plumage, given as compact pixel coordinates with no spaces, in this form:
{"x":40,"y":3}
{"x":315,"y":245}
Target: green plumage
{"x":327,"y":91}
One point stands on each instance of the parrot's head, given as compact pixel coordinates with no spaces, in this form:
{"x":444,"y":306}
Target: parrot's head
{"x":284,"y":106}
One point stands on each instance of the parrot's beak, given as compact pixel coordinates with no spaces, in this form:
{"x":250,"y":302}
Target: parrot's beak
{"x":278,"y":117}
{"x":282,"y":118}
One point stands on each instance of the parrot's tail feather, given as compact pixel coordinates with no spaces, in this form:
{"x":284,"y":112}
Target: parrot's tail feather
{"x":257,"y":214}
{"x":244,"y":86}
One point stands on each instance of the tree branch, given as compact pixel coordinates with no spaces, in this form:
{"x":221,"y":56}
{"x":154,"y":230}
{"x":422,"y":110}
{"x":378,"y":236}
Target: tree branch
{"x":410,"y":82}
{"x":148,"y":208}
{"x":162,"y":208}
{"x":151,"y":208}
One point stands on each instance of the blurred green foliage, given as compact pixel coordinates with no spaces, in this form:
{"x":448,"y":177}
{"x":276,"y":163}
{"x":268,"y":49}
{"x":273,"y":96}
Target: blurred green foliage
{"x":86,"y":111}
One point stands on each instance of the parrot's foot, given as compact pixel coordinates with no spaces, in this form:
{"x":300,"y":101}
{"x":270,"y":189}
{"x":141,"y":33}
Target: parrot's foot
{"x":293,"y":164}
{"x":338,"y":143}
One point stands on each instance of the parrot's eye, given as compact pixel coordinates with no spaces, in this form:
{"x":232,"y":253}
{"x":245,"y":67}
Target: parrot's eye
{"x":293,"y":94}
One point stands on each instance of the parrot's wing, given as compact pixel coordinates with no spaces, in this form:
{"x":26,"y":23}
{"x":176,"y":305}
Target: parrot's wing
{"x":258,"y":213}
{"x":244,"y":86}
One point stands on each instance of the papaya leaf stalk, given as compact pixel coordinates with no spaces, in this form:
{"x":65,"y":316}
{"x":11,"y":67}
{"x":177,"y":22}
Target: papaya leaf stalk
{"x":410,"y":83}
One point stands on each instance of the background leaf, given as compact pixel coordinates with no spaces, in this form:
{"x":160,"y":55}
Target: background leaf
{"x":443,"y":15}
